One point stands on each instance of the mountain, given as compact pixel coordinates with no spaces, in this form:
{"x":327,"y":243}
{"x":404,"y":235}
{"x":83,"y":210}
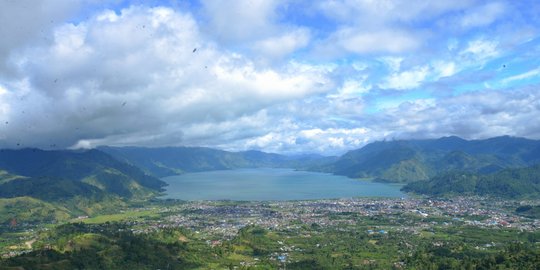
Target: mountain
{"x":81,"y":181}
{"x":412,"y":160}
{"x":168,"y":161}
{"x":83,"y":172}
{"x":508,"y":183}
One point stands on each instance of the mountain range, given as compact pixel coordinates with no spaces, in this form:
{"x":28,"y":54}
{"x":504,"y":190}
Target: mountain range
{"x":507,"y":183}
{"x":413,"y":160}
{"x":65,"y":182}
{"x":166,"y":161}
{"x":68,"y":182}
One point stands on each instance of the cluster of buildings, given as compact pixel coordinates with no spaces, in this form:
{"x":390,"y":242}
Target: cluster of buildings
{"x":225,"y":219}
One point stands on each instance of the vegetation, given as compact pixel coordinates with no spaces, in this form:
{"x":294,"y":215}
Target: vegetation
{"x":43,"y":192}
{"x":30,"y":210}
{"x":413,"y":160}
{"x":111,"y":175}
{"x":116,"y":246}
{"x":78,"y":246}
{"x":531,"y":211}
{"x":45,"y":186}
{"x":510,"y":183}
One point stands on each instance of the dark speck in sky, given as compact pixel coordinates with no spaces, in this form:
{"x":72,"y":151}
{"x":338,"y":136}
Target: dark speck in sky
{"x":195,"y":49}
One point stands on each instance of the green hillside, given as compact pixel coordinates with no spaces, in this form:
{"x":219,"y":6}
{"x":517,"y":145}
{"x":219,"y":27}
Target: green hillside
{"x":413,"y":160}
{"x":30,"y":210}
{"x":57,"y":183}
{"x":508,"y":183}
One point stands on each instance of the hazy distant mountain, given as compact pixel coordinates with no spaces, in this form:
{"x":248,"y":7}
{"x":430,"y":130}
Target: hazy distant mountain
{"x":509,"y":183}
{"x":167,"y":161}
{"x":412,"y":160}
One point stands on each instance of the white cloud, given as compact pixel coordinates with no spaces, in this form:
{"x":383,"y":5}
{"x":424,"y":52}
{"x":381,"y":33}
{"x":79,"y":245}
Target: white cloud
{"x":352,"y":88}
{"x":444,"y":69}
{"x":262,"y":74}
{"x":329,"y":141}
{"x":253,"y":26}
{"x":388,"y":41}
{"x":529,"y":74}
{"x":480,"y":49}
{"x":407,"y":79}
{"x":25,"y":23}
{"x":242,"y":20}
{"x":393,"y":63}
{"x":483,"y":15}
{"x":388,"y":11}
{"x":280,"y":46}
{"x":474,"y":115}
{"x":135,"y":78}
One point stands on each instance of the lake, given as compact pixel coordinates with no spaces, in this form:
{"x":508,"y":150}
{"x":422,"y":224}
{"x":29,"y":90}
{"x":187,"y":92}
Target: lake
{"x":272,"y":184}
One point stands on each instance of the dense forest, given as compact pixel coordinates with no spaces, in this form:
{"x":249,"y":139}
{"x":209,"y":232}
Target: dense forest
{"x":413,"y":160}
{"x":114,"y":246}
{"x":508,"y":183}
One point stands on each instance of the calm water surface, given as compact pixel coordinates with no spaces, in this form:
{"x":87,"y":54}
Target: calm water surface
{"x":272,"y":184}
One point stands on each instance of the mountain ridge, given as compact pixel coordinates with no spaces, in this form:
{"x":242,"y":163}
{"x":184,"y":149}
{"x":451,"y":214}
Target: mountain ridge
{"x":167,"y":161}
{"x":412,"y":160}
{"x":81,"y":181}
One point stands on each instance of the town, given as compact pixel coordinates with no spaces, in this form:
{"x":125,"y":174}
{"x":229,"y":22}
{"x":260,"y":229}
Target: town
{"x":293,"y":228}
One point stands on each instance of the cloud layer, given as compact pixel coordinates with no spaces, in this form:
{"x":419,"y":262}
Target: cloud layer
{"x":281,"y":76}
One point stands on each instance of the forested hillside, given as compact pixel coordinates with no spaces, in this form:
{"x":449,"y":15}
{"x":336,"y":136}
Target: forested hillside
{"x":508,"y":183}
{"x":76,"y":182}
{"x":413,"y":160}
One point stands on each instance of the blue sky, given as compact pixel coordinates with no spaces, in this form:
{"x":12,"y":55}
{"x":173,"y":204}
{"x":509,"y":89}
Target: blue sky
{"x":276,"y":75}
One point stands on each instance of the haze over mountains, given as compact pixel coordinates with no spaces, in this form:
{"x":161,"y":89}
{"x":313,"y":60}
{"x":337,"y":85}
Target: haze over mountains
{"x":389,"y":161}
{"x":166,"y":161}
{"x":70,"y":181}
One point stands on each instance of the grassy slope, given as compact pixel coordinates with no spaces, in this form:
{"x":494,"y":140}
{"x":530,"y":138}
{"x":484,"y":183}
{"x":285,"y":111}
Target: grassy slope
{"x":31,"y":210}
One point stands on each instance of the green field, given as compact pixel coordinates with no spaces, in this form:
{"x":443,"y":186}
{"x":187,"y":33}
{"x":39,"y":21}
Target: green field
{"x":125,"y":216}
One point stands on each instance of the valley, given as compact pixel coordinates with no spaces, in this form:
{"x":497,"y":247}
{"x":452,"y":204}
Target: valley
{"x":108,"y":209}
{"x":337,"y":234}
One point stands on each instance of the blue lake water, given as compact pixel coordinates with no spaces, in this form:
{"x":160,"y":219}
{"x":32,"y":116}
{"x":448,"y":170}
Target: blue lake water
{"x":272,"y":184}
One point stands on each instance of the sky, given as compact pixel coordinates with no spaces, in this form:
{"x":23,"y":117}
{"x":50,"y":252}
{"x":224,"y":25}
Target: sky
{"x":283,"y":76}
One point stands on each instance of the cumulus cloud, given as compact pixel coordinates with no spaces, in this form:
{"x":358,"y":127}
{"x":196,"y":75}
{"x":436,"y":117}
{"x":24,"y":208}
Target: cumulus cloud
{"x":25,"y":23}
{"x":255,"y":26}
{"x":273,"y":75}
{"x":474,"y":115}
{"x":282,"y":45}
{"x":367,"y":26}
{"x":140,"y":76}
{"x":406,"y":79}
